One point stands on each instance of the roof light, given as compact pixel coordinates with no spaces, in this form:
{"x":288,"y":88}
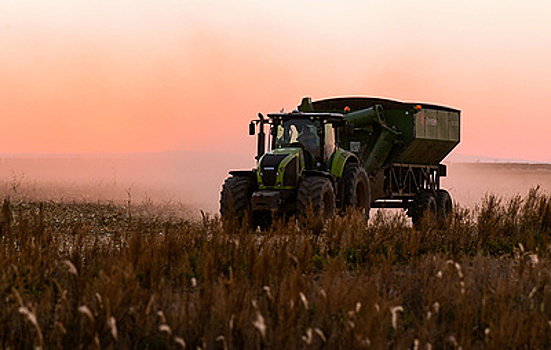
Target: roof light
{"x":418,"y":107}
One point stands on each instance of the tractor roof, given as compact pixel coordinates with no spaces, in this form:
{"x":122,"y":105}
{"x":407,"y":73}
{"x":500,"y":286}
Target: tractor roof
{"x":331,"y":117}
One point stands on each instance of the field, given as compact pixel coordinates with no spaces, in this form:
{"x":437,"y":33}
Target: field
{"x":144,"y":274}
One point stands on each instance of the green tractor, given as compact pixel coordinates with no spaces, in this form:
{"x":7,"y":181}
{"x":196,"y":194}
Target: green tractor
{"x":339,"y":154}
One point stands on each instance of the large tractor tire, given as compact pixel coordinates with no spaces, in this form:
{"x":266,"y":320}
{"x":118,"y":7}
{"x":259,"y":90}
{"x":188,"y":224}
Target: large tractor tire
{"x":444,"y":205}
{"x":316,"y":196}
{"x":356,"y":194}
{"x":235,"y":199}
{"x":424,"y":207}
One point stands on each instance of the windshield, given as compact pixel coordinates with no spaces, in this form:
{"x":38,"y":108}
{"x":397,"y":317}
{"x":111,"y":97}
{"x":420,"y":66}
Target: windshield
{"x":301,"y":131}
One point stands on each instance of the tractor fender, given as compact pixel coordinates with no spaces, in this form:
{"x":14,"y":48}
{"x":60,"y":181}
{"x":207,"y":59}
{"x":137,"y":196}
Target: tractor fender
{"x":245,"y":173}
{"x":340,"y":159}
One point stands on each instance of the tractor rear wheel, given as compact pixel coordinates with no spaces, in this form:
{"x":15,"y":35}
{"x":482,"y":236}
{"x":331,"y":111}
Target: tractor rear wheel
{"x":235,"y":199}
{"x":356,"y":189}
{"x":424,"y":207}
{"x":316,"y":196}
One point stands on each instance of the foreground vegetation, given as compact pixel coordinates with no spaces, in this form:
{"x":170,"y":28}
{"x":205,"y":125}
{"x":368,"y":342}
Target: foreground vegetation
{"x":94,"y":275}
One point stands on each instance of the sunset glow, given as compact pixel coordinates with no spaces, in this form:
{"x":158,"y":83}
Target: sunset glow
{"x":131,"y":76}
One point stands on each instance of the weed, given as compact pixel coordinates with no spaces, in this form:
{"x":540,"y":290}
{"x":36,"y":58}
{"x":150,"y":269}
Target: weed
{"x":84,"y":275}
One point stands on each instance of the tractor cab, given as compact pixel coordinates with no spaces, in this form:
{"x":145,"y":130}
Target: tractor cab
{"x":314,"y":133}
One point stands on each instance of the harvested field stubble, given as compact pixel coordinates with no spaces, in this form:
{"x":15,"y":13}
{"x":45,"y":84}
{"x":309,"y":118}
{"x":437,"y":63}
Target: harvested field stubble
{"x":91,"y":275}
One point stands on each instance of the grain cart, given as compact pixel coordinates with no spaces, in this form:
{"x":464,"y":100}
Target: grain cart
{"x":351,"y":152}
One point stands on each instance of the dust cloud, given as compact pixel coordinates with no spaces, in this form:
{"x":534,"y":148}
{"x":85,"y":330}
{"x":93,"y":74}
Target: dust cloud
{"x":194,"y":179}
{"x":468,"y":183}
{"x":190,"y":178}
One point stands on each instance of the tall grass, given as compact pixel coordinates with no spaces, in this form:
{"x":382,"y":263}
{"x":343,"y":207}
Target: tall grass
{"x":93,"y":276}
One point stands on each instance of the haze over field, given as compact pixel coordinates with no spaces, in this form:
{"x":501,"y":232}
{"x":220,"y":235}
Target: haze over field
{"x":190,"y":178}
{"x":194,"y":179}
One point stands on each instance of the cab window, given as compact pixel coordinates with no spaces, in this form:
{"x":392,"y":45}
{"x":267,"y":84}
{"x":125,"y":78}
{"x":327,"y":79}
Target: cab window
{"x":329,"y":141}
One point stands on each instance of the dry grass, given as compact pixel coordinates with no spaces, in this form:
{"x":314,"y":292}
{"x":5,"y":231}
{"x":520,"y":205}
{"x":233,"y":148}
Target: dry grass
{"x":93,"y":276}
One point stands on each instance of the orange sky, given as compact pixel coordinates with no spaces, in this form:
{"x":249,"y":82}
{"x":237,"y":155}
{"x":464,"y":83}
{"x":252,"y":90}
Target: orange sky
{"x":123,"y":76}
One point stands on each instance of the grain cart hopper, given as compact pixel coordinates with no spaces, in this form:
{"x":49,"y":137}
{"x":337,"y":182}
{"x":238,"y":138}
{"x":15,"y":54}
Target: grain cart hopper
{"x":351,"y":152}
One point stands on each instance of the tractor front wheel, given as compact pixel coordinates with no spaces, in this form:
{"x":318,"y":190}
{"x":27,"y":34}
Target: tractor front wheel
{"x":235,"y":200}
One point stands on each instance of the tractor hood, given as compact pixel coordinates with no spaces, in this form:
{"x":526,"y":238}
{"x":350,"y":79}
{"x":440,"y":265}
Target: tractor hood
{"x":280,"y":168}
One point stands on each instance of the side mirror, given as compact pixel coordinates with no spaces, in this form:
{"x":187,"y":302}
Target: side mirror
{"x":252,"y":129}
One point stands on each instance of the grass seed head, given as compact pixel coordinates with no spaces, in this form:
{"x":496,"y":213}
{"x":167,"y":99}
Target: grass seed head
{"x":83,"y":309}
{"x":268,"y":292}
{"x":308,"y":336}
{"x":394,"y":312}
{"x":180,"y":342}
{"x":112,"y":324}
{"x":222,"y":339}
{"x":31,"y":317}
{"x":161,"y":316}
{"x":164,"y":328}
{"x":72,"y":268}
{"x":320,"y":333}
{"x":458,"y":268}
{"x":304,"y":300}
{"x":99,"y":299}
{"x":260,"y":324}
{"x":365,"y":342}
